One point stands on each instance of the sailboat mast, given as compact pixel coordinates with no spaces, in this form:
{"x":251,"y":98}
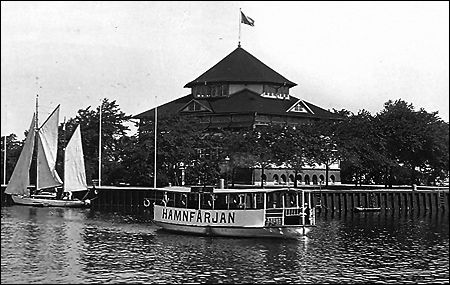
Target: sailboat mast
{"x":100,"y":146}
{"x":36,"y":138}
{"x":64,"y":149}
{"x":156,"y":121}
{"x":4,"y":162}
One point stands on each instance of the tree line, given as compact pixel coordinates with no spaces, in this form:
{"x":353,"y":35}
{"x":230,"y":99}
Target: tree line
{"x":398,"y":145}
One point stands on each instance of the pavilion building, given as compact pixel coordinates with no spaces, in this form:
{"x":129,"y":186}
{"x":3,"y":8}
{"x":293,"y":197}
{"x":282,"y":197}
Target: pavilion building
{"x":239,"y":92}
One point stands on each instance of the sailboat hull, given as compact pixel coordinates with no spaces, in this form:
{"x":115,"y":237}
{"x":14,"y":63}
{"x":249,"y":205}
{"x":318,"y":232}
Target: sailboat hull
{"x":39,"y":202}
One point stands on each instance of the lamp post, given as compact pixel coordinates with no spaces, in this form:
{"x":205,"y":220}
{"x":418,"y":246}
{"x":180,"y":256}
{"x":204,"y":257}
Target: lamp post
{"x":227,"y":161}
{"x":182,"y":173}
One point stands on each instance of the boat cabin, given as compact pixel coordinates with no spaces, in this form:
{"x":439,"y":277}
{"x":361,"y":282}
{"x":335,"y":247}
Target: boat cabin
{"x":281,"y":206}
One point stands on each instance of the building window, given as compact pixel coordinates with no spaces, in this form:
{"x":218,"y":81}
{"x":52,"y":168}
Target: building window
{"x":275,"y":179}
{"x":225,"y":90}
{"x":314,"y":179}
{"x":200,"y":153}
{"x":299,"y":179}
{"x":203,"y":91}
{"x":291,"y":178}
{"x":270,"y":89}
{"x":194,"y":107}
{"x":283,"y":179}
{"x":307,"y":181}
{"x":212,"y":153}
{"x":299,"y":108}
{"x":333,"y":179}
{"x":322,"y":179}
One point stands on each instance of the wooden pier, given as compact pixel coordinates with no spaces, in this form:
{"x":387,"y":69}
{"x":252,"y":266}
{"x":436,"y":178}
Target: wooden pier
{"x":325,"y":200}
{"x":387,"y":200}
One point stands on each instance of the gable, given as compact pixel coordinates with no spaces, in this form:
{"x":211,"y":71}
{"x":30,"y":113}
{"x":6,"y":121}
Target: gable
{"x":300,"y":107}
{"x":194,"y":106}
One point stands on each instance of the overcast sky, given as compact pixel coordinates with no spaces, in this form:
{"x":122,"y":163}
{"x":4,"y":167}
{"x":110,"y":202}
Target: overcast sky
{"x":342,"y":55}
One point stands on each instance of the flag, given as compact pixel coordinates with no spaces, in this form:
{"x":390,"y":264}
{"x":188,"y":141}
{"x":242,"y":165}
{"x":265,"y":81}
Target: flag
{"x":247,"y":20}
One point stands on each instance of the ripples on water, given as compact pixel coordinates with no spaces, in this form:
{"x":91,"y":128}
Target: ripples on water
{"x":57,"y":245}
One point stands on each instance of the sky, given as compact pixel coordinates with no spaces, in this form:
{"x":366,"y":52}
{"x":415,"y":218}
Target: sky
{"x":343,"y":55}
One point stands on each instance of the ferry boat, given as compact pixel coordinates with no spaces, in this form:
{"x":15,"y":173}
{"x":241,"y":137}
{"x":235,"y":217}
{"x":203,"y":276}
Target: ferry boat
{"x":280,"y":213}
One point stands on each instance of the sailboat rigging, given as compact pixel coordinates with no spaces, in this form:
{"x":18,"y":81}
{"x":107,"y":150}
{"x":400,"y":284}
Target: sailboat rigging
{"x":47,"y":178}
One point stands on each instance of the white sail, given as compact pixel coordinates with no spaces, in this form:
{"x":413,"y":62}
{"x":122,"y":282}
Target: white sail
{"x":18,"y":184}
{"x":47,"y":152}
{"x":74,"y":169}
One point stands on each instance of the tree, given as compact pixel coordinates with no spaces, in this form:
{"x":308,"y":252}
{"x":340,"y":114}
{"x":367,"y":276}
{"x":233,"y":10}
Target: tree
{"x":113,"y":130}
{"x":177,"y":139}
{"x":293,"y":148}
{"x":362,"y":149}
{"x":252,"y":148}
{"x":324,"y":144}
{"x":413,"y":137}
{"x":13,"y":149}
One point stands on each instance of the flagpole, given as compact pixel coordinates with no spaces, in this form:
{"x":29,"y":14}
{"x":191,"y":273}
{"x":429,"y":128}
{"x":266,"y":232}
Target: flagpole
{"x":240,"y":20}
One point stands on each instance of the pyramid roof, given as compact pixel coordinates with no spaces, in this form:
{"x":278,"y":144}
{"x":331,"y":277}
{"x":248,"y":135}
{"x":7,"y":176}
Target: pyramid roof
{"x":240,"y":67}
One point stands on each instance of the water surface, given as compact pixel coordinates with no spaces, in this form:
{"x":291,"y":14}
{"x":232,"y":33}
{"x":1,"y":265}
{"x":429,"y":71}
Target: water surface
{"x":63,"y":245}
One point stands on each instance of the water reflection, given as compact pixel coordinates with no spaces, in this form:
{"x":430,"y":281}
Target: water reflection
{"x":51,"y":245}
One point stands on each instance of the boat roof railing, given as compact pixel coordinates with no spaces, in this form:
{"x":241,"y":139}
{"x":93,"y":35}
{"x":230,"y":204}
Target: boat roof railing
{"x":211,"y":189}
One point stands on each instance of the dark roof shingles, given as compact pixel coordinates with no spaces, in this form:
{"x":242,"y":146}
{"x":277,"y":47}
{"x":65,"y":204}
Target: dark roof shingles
{"x":244,"y":101}
{"x":241,"y":66}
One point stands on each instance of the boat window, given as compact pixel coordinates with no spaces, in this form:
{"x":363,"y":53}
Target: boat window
{"x":302,"y":202}
{"x":274,"y":200}
{"x":221,"y":202}
{"x":171,"y":199}
{"x":164,"y":199}
{"x":291,"y":200}
{"x":242,"y":198}
{"x":249,"y":201}
{"x":254,"y":201}
{"x":207,"y":201}
{"x":181,"y":200}
{"x":259,"y":200}
{"x":192,"y":201}
{"x":159,"y":196}
{"x":234,"y":201}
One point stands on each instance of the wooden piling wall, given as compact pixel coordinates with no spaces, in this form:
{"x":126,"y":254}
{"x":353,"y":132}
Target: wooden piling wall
{"x":132,"y":198}
{"x":323,"y":200}
{"x":387,"y":200}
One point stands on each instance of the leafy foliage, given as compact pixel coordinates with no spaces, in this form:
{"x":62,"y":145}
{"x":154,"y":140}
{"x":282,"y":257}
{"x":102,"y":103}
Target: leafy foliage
{"x":397,"y":145}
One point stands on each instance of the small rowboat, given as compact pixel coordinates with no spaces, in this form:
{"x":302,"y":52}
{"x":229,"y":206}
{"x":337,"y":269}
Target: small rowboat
{"x":367,"y":209}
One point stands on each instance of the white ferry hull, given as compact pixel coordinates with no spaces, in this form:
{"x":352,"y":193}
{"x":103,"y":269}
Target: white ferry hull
{"x":265,"y":232}
{"x":229,"y":223}
{"x":39,"y":202}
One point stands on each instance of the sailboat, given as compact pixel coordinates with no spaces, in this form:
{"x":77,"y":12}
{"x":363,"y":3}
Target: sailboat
{"x":47,"y":179}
